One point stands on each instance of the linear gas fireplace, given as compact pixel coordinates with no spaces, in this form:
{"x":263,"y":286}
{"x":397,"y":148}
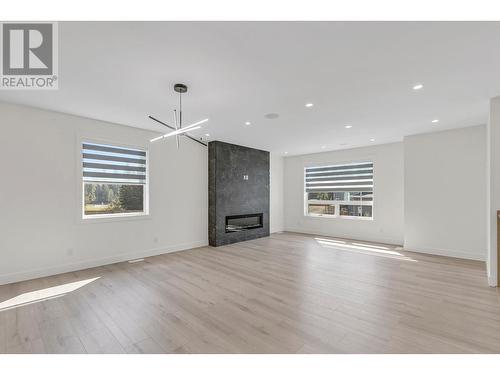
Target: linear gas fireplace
{"x":238,"y":223}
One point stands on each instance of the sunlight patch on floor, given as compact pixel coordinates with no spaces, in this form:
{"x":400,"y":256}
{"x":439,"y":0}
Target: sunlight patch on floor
{"x":43,"y":294}
{"x":372,"y":246}
{"x":362,"y":248}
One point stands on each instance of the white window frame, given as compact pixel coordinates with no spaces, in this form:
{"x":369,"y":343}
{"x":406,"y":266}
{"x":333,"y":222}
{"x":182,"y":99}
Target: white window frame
{"x":337,"y":204}
{"x":81,"y":185}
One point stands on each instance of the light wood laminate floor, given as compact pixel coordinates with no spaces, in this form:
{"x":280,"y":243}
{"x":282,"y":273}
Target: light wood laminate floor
{"x":288,"y":293}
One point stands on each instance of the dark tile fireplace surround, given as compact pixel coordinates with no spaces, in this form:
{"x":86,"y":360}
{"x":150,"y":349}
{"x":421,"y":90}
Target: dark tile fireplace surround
{"x":238,"y":193}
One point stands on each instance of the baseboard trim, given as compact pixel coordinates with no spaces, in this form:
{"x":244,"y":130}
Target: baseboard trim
{"x":447,"y":253}
{"x":381,"y":239}
{"x":70,"y":267}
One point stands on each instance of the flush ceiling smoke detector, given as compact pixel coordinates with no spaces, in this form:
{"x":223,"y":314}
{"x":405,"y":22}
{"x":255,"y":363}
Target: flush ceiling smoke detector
{"x":271,"y":116}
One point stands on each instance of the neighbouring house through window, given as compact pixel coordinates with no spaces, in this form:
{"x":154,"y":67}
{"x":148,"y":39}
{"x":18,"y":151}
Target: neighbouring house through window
{"x":114,"y":181}
{"x":342,"y":190}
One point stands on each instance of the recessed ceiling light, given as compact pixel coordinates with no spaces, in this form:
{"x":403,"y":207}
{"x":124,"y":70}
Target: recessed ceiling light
{"x":247,"y":123}
{"x":286,"y":152}
{"x":309,"y":105}
{"x":207,"y":135}
{"x":372,"y":139}
{"x":435,"y":120}
{"x":348,"y":126}
{"x":323,"y":147}
{"x":418,"y":86}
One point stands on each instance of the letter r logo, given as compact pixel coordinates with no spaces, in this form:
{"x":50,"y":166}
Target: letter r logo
{"x":27,"y":49}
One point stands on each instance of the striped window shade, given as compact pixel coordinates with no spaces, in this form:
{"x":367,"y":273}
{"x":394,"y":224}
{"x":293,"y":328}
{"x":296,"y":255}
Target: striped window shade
{"x":113,"y":165}
{"x":343,"y":177}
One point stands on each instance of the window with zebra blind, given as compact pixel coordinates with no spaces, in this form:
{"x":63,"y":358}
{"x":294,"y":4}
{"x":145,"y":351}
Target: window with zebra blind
{"x":114,"y":181}
{"x":341,"y":190}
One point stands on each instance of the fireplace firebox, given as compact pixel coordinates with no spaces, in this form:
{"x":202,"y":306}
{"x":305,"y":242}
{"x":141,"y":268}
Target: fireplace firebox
{"x":238,"y":223}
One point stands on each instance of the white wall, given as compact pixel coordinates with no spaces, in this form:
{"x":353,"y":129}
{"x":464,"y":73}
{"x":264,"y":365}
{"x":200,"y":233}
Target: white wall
{"x":277,"y":191}
{"x":387,"y":225}
{"x":40,"y":191}
{"x":445,"y":186}
{"x":493,"y":189}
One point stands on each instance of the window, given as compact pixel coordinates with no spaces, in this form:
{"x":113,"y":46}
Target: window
{"x":114,"y":181}
{"x":344,"y":190}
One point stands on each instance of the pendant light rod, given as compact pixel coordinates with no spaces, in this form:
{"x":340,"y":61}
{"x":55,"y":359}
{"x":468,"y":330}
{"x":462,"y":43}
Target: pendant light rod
{"x":180,"y":110}
{"x":176,"y":128}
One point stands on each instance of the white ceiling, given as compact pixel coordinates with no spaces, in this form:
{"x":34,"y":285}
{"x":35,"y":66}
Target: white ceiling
{"x":357,"y":73}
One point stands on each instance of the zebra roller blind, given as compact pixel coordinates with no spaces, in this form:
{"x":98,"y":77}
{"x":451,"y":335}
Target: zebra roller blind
{"x":344,"y":177}
{"x":113,"y":165}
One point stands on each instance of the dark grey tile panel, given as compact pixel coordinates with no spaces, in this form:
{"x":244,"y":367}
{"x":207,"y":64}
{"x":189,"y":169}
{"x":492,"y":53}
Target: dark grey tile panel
{"x":231,"y":194}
